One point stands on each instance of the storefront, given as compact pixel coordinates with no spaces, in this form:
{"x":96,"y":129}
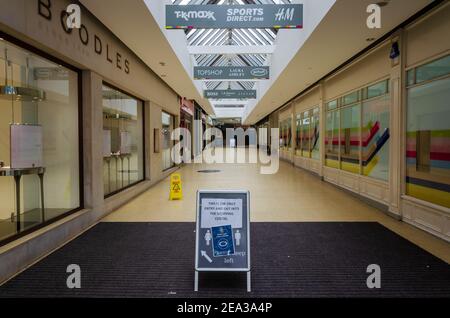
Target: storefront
{"x":123,"y":140}
{"x":379,"y":126}
{"x":40,"y":180}
{"x":187,"y":111}
{"x":168,"y":124}
{"x":58,"y":162}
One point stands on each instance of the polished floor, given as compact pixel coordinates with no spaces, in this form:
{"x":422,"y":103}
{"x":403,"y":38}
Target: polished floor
{"x":290,"y":195}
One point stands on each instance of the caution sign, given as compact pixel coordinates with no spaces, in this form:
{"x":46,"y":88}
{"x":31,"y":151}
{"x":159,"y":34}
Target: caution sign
{"x":176,"y":192}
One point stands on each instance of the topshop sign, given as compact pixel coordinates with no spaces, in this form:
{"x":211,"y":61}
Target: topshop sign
{"x":278,"y":16}
{"x":231,"y":72}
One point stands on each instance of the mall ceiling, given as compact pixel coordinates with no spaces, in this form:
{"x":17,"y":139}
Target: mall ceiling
{"x":341,"y":34}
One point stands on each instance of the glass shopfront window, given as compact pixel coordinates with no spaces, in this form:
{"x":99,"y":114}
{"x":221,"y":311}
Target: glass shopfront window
{"x":428,"y":133}
{"x":298,"y":132}
{"x":332,"y":139}
{"x":350,"y":122}
{"x":39,"y":141}
{"x":167,"y":128}
{"x":375,"y":136}
{"x":123,"y":143}
{"x":315,"y":132}
{"x":285,"y":134}
{"x":306,"y":134}
{"x":357,"y":131}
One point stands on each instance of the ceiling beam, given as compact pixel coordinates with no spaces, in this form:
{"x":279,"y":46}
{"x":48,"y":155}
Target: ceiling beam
{"x":231,"y":49}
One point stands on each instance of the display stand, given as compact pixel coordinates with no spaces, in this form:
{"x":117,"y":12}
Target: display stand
{"x":128,"y":156}
{"x":17,"y":173}
{"x":116,"y":157}
{"x":108,"y":162}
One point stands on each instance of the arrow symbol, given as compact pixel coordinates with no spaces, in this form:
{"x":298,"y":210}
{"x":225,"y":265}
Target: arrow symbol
{"x":206,"y":256}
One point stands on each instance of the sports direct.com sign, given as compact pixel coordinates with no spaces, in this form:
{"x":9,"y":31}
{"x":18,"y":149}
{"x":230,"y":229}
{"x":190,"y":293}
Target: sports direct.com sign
{"x":234,"y":16}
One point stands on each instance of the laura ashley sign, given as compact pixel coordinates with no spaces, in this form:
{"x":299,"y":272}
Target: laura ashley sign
{"x":231,"y":72}
{"x":234,"y":16}
{"x":100,"y":47}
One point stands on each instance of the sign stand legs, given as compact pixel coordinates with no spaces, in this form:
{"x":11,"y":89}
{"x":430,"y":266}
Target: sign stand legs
{"x":249,"y":282}
{"x":196,"y":282}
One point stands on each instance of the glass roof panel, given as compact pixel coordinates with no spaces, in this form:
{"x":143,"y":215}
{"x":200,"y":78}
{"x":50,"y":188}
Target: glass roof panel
{"x":235,"y":37}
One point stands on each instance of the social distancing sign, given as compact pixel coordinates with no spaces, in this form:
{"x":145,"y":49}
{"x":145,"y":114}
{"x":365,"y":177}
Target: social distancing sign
{"x":223,"y":232}
{"x":176,"y":191}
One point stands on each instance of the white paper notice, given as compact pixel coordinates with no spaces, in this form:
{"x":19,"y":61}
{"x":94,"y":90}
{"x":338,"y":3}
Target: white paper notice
{"x":26,"y":146}
{"x":216,"y":212}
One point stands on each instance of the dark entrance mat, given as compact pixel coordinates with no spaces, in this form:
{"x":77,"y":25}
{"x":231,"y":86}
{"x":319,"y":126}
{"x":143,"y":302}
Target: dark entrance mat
{"x":288,"y":260}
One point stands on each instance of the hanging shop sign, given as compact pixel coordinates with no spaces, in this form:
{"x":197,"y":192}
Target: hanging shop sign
{"x":231,"y":72}
{"x":223,"y":231}
{"x":187,"y":106}
{"x":278,"y":16}
{"x":229,"y":94}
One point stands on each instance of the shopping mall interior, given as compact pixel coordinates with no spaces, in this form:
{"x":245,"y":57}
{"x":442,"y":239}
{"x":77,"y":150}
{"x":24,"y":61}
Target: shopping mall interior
{"x":225,"y":149}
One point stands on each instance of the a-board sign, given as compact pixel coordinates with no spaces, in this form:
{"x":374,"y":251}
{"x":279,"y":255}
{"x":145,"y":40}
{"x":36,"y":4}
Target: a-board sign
{"x":223,"y":230}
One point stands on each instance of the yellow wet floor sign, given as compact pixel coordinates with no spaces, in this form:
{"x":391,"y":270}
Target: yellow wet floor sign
{"x":176,"y":192}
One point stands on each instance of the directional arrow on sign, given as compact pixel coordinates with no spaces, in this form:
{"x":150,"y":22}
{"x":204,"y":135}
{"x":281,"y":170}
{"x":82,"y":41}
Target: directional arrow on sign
{"x":206,"y":256}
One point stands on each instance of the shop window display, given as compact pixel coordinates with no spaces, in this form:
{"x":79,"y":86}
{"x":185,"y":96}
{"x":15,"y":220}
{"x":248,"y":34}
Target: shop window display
{"x":285,"y":134}
{"x":298,"y":133}
{"x":332,"y":139}
{"x":167,"y":128}
{"x":123,"y":150}
{"x":315,"y":134}
{"x":39,"y":145}
{"x":428,"y":133}
{"x":357,"y":132}
{"x":306,"y":120}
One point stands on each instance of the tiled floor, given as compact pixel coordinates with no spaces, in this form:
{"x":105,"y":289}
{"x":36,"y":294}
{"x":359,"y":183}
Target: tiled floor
{"x":291,"y":195}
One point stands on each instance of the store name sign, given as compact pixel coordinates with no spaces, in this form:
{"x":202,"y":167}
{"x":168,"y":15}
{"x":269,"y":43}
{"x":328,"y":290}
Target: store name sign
{"x":231,"y":72}
{"x":229,"y":94}
{"x":278,"y":16}
{"x":100,"y":46}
